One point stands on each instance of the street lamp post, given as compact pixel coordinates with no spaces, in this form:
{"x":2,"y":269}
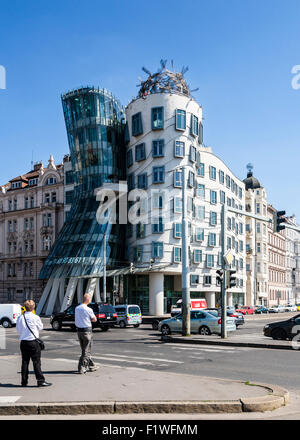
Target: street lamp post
{"x":186,"y":318}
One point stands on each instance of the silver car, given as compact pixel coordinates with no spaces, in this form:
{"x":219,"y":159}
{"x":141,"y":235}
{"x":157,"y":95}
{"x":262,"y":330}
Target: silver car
{"x":202,"y":322}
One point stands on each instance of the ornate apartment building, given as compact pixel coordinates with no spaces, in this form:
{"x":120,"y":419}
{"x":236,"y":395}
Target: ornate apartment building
{"x":31,"y":215}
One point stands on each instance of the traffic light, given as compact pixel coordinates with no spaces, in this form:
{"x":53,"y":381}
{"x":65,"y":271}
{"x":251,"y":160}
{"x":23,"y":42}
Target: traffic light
{"x":277,"y":219}
{"x":131,"y":268}
{"x":231,"y":279}
{"x":220,"y":276}
{"x":151,"y":263}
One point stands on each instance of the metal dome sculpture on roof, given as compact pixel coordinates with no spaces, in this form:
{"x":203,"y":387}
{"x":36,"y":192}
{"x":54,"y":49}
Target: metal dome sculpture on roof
{"x":164,"y":81}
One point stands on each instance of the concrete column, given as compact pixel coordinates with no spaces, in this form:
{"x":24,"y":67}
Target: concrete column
{"x":44,"y":297}
{"x":61,"y":291}
{"x":156,"y":294}
{"x":91,"y":286}
{"x":97,"y":292}
{"x":80,"y":291}
{"x":52,"y":297}
{"x":229,"y":299}
{"x":210,"y":299}
{"x":69,"y":293}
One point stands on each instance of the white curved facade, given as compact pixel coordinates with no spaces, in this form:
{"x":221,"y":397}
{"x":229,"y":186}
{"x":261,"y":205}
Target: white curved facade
{"x":156,"y":130}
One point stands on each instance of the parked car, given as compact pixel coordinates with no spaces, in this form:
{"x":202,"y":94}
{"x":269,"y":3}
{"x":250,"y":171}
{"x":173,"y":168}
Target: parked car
{"x":290,"y":308}
{"x":105,"y":314}
{"x":9,"y":314}
{"x":239,"y":317}
{"x":298,"y":306}
{"x":283,"y":329}
{"x":128,"y":314}
{"x":202,"y":322}
{"x":246,"y":310}
{"x":261,"y":309}
{"x":276,"y":309}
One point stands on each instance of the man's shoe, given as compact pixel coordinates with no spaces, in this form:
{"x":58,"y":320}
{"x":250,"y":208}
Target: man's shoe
{"x":93,"y":368}
{"x":44,"y":384}
{"x":82,"y":371}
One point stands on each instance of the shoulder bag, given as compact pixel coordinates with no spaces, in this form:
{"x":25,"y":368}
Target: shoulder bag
{"x":40,"y":342}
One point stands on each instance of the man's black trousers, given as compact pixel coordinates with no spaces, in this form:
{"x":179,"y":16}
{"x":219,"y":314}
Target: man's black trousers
{"x":31,"y":350}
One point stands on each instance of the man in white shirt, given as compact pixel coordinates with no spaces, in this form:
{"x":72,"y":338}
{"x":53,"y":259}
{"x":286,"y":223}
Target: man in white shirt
{"x":84,"y":316}
{"x":28,"y":327}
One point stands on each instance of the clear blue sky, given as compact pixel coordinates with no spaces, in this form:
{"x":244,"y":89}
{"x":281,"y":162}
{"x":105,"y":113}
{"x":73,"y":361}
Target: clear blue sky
{"x":239,"y":52}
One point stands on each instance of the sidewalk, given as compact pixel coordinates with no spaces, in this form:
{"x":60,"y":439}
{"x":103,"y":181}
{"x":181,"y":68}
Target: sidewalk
{"x":128,"y":390}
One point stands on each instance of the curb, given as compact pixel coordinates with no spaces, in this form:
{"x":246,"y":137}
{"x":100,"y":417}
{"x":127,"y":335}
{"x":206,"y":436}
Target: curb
{"x":226,"y":343}
{"x":276,"y":397}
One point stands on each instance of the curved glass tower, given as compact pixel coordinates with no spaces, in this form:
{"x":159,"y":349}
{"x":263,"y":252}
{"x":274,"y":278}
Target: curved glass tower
{"x":95,"y":123}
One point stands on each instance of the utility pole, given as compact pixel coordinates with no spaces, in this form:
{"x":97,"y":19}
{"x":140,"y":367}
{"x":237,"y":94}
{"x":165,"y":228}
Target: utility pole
{"x":104,"y":267}
{"x":186,"y":301}
{"x":223,"y":285}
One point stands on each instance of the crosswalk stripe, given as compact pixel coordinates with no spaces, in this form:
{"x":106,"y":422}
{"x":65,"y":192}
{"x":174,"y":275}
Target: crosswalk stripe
{"x":203,"y":347}
{"x":106,"y":365}
{"x":143,"y":358}
{"x":124,"y":360}
{"x":9,"y":399}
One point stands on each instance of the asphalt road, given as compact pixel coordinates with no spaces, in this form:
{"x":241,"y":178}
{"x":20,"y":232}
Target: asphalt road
{"x":141,"y":348}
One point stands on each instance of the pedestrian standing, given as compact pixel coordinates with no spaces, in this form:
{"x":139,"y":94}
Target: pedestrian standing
{"x":84,"y":316}
{"x":28,"y":327}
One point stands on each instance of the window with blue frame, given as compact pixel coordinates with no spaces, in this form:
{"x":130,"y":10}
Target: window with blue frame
{"x":241,"y":246}
{"x":229,"y":223}
{"x":212,"y":172}
{"x":158,"y":174}
{"x":241,"y":228}
{"x":177,"y":254}
{"x":157,"y":249}
{"x":200,"y":133}
{"x":179,"y":148}
{"x":137,"y":125}
{"x":177,"y":179}
{"x":200,"y":170}
{"x":222,"y":197}
{"x":227,"y":181}
{"x":130,"y":182}
{"x":201,"y":191}
{"x":177,"y":229}
{"x":157,"y":118}
{"x":140,"y":230}
{"x":180,"y":119}
{"x":213,"y":197}
{"x":191,"y":179}
{"x":209,"y":260}
{"x":212,"y":239}
{"x":228,"y":242}
{"x":240,"y":193}
{"x":177,"y":205}
{"x":213,"y":218}
{"x":195,"y":279}
{"x":201,"y":212}
{"x":221,"y":176}
{"x":194,"y":125}
{"x":158,"y":147}
{"x":129,"y":158}
{"x":157,"y":200}
{"x":140,"y":152}
{"x":193,"y":154}
{"x":199,"y":234}
{"x":158,"y":226}
{"x":197,"y":256}
{"x":138,"y":254}
{"x":142,"y":181}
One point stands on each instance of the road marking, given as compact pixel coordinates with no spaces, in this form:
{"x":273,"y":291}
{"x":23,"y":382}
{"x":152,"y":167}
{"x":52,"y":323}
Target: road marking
{"x":9,"y":399}
{"x":104,"y":357}
{"x":219,"y":347}
{"x":144,"y":358}
{"x":107,"y":365}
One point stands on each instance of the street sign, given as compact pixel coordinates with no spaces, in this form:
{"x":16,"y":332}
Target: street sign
{"x":228,"y":257}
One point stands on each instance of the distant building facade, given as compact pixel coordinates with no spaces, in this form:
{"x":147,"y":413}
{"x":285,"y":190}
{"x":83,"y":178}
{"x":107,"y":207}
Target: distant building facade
{"x":292,"y":262}
{"x":31,"y":215}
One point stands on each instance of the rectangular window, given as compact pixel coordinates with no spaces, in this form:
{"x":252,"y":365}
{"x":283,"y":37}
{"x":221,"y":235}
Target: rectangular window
{"x":53,"y":197}
{"x":140,"y":230}
{"x":209,"y":260}
{"x":129,"y":158}
{"x":228,"y":242}
{"x":25,"y":224}
{"x":212,"y":239}
{"x":137,"y":126}
{"x":200,"y":140}
{"x":157,"y":118}
{"x":158,"y":226}
{"x":138,"y":254}
{"x":258,"y":227}
{"x":247,"y":227}
{"x":191,"y":179}
{"x":221,"y":176}
{"x":25,"y":202}
{"x":158,"y":147}
{"x":197,"y":256}
{"x":199,"y":234}
{"x":240,"y":193}
{"x":69,"y":177}
{"x":194,"y":279}
{"x":241,"y":228}
{"x":258,"y":248}
{"x":201,"y":191}
{"x":190,"y":206}
{"x":212,"y":172}
{"x":201,"y":212}
{"x":228,"y":201}
{"x":194,"y":125}
{"x":177,"y":229}
{"x":180,"y":119}
{"x":140,"y":152}
{"x":213,"y":197}
{"x":177,"y":179}
{"x":227,"y":181}
{"x":222,"y":197}
{"x":130,"y":182}
{"x":207,"y":280}
{"x":193,"y":154}
{"x":158,"y":174}
{"x":69,"y":197}
{"x":200,"y":170}
{"x":257,"y":208}
{"x":157,"y":249}
{"x":177,"y":205}
{"x":213,"y":218}
{"x":179,"y":148}
{"x":142,"y":181}
{"x":157,"y":201}
{"x":177,"y":254}
{"x":241,"y":245}
{"x":31,"y":202}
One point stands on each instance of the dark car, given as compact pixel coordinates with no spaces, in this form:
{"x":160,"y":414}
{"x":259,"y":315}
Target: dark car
{"x":261,"y":309}
{"x":105,"y":314}
{"x":239,"y":317}
{"x":283,"y":329}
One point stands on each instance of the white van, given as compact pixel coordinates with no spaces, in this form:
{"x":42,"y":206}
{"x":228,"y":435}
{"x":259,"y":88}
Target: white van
{"x":9,"y":314}
{"x":128,"y":314}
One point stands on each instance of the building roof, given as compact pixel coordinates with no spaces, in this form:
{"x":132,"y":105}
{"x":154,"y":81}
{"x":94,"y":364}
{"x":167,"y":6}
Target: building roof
{"x":251,"y":182}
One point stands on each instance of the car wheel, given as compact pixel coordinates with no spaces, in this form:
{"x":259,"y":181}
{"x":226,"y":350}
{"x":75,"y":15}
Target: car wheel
{"x":136,"y":325}
{"x":56,"y":325}
{"x":104,"y":328}
{"x":204,"y":330}
{"x":165,"y":329}
{"x":278,"y":333}
{"x":122,"y":324}
{"x":155,"y":325}
{"x":6,"y":323}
